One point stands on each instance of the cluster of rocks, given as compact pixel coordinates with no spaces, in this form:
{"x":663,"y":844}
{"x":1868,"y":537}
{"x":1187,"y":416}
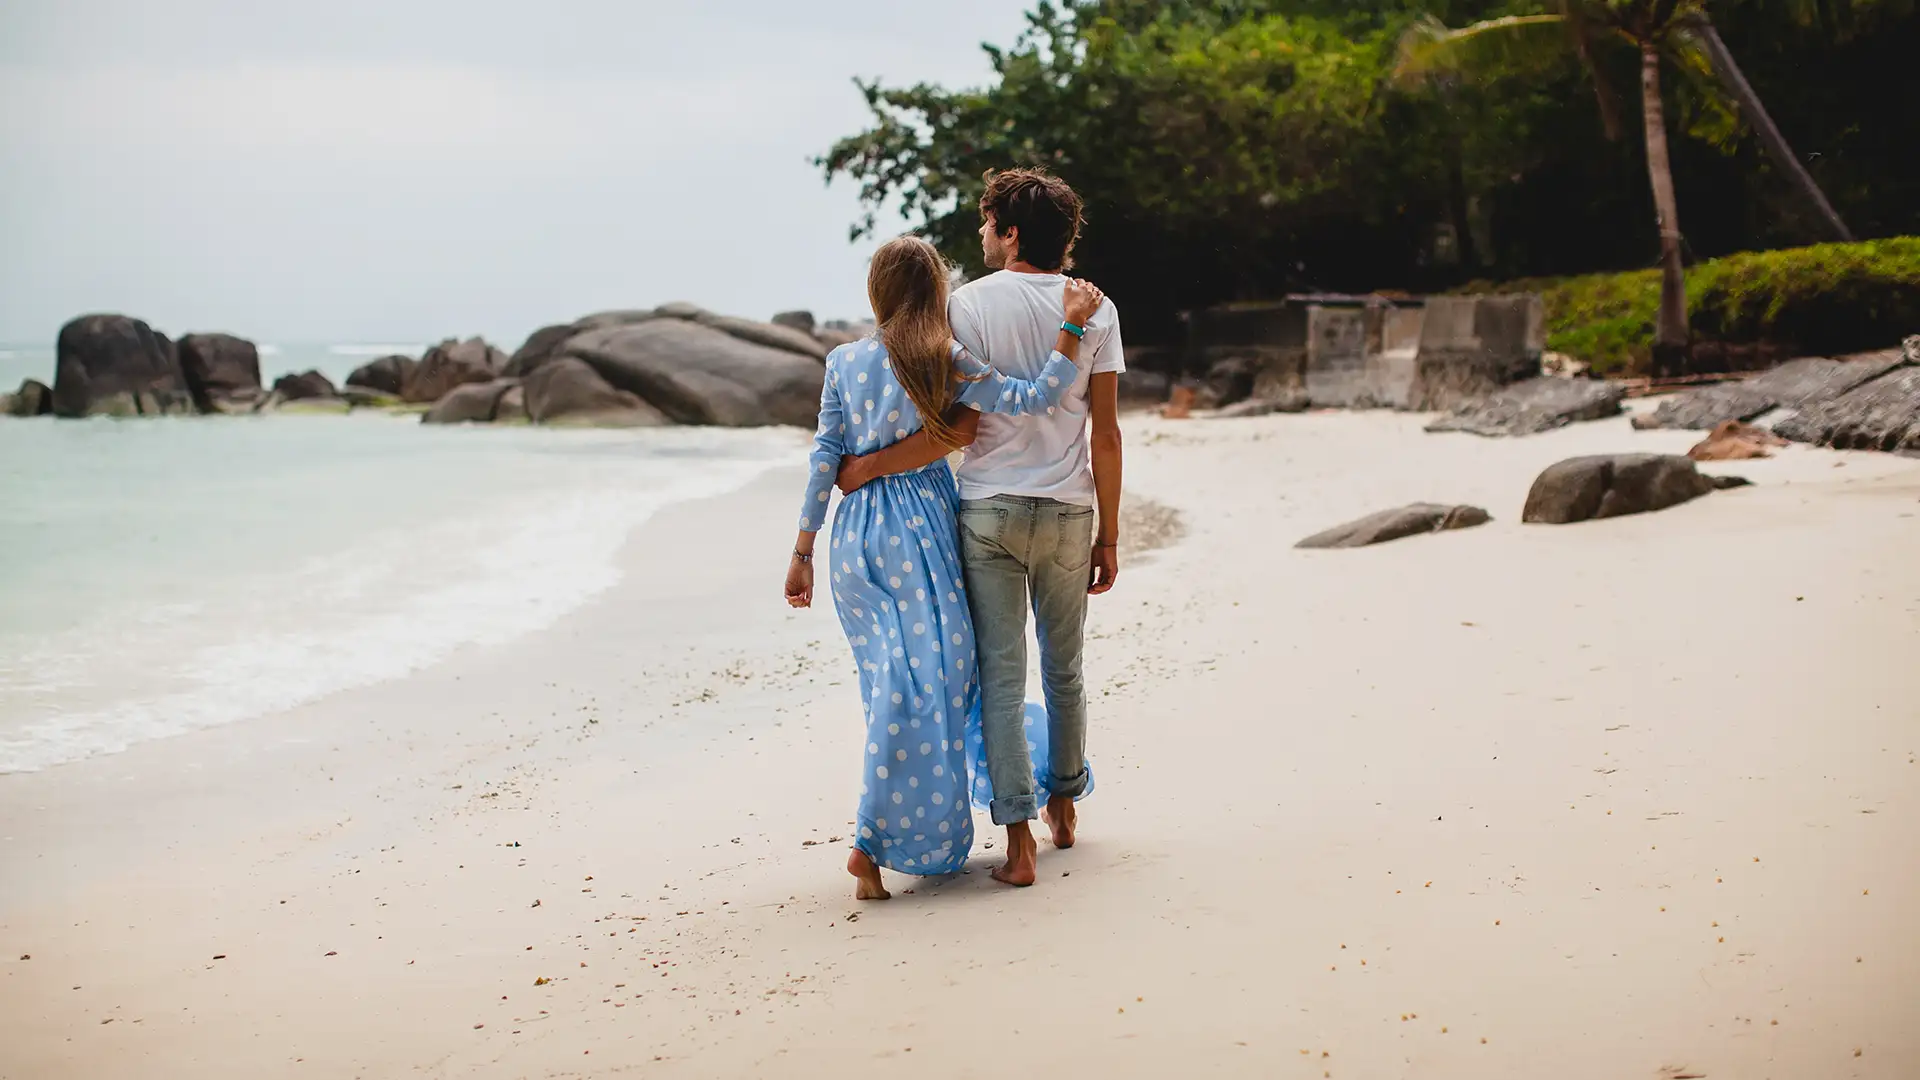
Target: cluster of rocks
{"x":1578,"y":489}
{"x":675,"y":364}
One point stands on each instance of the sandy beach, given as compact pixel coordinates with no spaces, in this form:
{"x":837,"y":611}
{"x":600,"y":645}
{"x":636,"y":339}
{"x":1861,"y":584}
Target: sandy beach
{"x":1633,"y":798}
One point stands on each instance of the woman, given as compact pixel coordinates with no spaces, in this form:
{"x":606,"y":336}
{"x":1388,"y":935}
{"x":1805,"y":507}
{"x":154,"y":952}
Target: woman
{"x":894,"y":555}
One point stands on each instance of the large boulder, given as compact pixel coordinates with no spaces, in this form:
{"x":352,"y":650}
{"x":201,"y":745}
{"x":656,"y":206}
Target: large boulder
{"x":1796,"y":384}
{"x":303,"y":386}
{"x":220,"y":369}
{"x":570,"y":391}
{"x":697,"y":374}
{"x":1881,"y":414}
{"x":472,"y":403}
{"x":545,"y":343}
{"x":1534,"y":406}
{"x":1613,"y":485}
{"x":1397,"y":523}
{"x":117,"y":366}
{"x":387,"y":375}
{"x":449,"y":364}
{"x":34,"y":398}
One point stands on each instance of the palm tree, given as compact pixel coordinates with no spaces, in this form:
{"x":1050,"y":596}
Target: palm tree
{"x":1678,"y":31}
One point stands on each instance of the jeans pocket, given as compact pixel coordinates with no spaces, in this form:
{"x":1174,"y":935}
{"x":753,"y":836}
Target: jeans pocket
{"x":1075,"y":549}
{"x":983,"y":524}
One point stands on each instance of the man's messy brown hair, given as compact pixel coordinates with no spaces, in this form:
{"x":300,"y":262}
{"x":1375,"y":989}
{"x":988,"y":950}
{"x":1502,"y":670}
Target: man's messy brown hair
{"x":1043,"y":207}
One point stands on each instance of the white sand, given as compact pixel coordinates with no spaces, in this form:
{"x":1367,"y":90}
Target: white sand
{"x":1628,"y":798}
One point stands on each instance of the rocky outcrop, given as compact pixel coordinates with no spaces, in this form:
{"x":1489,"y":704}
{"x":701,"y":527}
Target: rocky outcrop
{"x":306,"y":385}
{"x":222,"y":371}
{"x":1534,"y":406}
{"x":544,"y":344}
{"x":1614,"y":485}
{"x":472,"y":403}
{"x":1397,"y":523}
{"x":569,"y":391}
{"x":698,"y":374}
{"x":1882,"y":414}
{"x":114,"y":365}
{"x":1796,"y":384}
{"x":1735,"y":441}
{"x":451,"y":364}
{"x":34,"y":398}
{"x":387,"y":375}
{"x":512,"y":408}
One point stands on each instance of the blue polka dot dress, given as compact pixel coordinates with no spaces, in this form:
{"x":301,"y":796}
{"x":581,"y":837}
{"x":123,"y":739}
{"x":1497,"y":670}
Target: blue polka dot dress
{"x":894,"y":563}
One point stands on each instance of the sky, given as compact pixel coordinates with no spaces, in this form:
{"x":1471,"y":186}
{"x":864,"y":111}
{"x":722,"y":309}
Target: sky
{"x":408,"y":170}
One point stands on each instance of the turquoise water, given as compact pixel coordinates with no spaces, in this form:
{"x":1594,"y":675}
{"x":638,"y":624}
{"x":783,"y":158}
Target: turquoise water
{"x":162,"y":575}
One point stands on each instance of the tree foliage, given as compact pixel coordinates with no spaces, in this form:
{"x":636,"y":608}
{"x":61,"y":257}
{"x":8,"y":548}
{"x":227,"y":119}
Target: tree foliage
{"x":1238,"y":148}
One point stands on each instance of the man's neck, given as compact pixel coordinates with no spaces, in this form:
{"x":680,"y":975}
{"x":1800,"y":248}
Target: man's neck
{"x":1019,"y":267}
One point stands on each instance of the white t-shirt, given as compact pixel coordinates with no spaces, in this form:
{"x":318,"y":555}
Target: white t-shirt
{"x":1011,"y":320}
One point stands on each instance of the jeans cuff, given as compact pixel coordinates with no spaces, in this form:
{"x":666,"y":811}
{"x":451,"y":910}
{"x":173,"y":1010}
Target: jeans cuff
{"x":1071,"y":788}
{"x":1014,"y":809}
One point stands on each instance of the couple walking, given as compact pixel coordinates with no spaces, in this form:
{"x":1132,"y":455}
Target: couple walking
{"x":932,"y":584}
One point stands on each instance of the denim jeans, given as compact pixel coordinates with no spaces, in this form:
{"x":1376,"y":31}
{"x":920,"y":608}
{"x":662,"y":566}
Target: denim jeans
{"x":1017,"y":549}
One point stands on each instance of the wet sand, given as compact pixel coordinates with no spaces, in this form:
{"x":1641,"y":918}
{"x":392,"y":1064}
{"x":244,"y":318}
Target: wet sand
{"x":1626,"y":798}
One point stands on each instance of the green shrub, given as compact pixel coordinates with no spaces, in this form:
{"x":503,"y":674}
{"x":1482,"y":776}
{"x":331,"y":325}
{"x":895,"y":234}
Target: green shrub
{"x":1830,"y":299}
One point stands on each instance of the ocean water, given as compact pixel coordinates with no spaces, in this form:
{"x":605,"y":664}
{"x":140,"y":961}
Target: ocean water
{"x":163,"y":575}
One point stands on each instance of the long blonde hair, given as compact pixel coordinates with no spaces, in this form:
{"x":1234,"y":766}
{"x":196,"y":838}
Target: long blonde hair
{"x":907,"y":285}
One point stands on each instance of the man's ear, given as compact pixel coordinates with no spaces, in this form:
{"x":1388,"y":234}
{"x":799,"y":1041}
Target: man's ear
{"x":1012,"y":239}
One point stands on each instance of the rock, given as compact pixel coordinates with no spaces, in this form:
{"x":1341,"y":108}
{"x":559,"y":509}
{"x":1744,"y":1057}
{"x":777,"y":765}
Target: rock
{"x":545,"y":343}
{"x":1264,"y":406}
{"x":363,"y":397}
{"x":1179,"y":404}
{"x":1394,"y":524}
{"x":450,"y":364}
{"x":1228,"y":382}
{"x":1795,"y":384}
{"x":34,"y":398}
{"x":697,"y":374}
{"x":512,"y":407}
{"x":795,"y":320}
{"x":1735,"y":441}
{"x":833,"y":339}
{"x":317,"y":406}
{"x":773,"y":337}
{"x":1145,"y":387}
{"x":1881,"y":415}
{"x":1534,"y":406}
{"x":1613,"y":485}
{"x":386,"y":375}
{"x":472,"y":403}
{"x":570,"y":391}
{"x":308,"y":384}
{"x":117,"y":366}
{"x":220,"y":368}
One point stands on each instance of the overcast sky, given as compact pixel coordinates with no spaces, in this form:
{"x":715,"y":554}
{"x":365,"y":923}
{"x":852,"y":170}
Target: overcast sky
{"x":406,"y":170}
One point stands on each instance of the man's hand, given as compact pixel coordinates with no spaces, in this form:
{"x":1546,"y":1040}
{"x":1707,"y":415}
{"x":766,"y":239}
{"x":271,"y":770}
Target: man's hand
{"x":1106,"y":568}
{"x":855,"y":473}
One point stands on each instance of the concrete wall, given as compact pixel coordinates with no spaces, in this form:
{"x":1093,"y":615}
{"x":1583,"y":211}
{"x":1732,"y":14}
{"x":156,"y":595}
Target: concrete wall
{"x":1473,"y":345}
{"x":1336,"y":370}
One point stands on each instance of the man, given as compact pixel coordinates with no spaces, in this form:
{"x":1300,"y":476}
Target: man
{"x":1040,"y":500}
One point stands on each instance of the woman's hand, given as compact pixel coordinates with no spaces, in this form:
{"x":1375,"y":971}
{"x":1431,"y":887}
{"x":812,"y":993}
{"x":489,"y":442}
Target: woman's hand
{"x":1082,"y":300}
{"x":799,"y":582}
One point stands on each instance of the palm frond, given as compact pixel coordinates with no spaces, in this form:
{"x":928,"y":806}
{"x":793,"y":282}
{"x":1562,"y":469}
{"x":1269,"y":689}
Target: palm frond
{"x":1718,"y":117}
{"x":1514,"y":44}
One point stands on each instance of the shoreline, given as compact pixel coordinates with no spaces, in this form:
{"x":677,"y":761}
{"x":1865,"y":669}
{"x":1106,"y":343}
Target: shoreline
{"x":1562,"y":729}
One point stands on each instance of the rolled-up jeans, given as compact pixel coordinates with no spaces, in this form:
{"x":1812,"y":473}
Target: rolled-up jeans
{"x":1018,"y":549}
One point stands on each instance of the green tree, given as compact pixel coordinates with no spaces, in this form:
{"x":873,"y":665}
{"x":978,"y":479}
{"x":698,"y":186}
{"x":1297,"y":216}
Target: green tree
{"x":1674,"y":31}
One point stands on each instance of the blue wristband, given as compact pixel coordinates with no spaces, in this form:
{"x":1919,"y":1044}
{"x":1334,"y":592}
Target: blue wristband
{"x":1076,"y":331}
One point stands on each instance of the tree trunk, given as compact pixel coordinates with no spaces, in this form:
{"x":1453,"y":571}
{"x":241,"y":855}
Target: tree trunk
{"x":1670,"y":329}
{"x":1736,"y":83}
{"x":1458,"y":214}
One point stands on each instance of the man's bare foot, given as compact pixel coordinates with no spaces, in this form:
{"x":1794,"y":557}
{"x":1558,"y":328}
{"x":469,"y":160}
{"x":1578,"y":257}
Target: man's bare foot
{"x":1023,"y":855}
{"x":867,"y":885}
{"x":1061,"y":818}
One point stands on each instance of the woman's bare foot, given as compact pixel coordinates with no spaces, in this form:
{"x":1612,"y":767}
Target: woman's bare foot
{"x":1023,"y":856}
{"x":867,"y":885}
{"x":1061,"y":818}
